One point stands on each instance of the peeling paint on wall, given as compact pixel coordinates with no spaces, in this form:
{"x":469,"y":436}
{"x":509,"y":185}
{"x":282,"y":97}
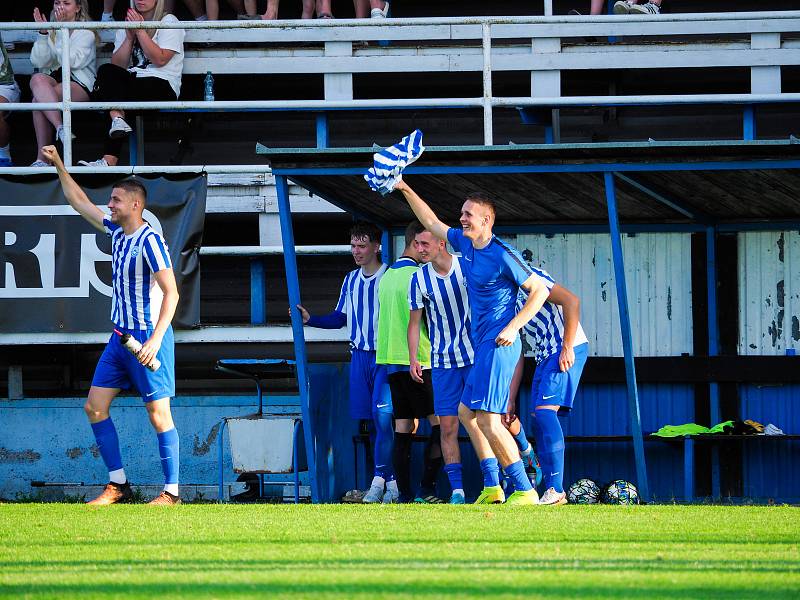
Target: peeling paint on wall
{"x":201,"y":449}
{"x":18,"y":456}
{"x":73,"y":453}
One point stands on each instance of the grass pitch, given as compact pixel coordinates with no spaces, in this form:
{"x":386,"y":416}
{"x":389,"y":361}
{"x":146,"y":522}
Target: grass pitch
{"x":194,"y":551}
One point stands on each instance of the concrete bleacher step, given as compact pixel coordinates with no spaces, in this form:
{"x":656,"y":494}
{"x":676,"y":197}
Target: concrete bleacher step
{"x":256,"y":193}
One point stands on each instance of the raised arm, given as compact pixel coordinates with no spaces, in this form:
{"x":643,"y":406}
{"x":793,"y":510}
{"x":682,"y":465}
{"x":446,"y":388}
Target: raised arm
{"x":423,"y":212}
{"x":76,"y":197}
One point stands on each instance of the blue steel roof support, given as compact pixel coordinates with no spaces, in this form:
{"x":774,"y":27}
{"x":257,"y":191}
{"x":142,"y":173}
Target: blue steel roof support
{"x":662,"y":199}
{"x":559,"y":168}
{"x":293,"y":284}
{"x":627,"y":338}
{"x":713,"y":349}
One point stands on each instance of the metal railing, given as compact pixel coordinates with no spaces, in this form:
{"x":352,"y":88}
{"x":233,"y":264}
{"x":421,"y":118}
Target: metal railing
{"x":764,"y":28}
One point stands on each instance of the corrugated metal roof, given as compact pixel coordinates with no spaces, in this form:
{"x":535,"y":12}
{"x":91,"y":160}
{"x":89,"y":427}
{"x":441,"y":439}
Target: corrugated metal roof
{"x":769,"y":292}
{"x":738,"y":192}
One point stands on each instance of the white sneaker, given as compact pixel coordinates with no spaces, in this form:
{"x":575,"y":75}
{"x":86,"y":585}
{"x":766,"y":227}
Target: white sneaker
{"x":644,"y":9}
{"x":374,"y":495}
{"x":553,"y":498}
{"x":622,"y":7}
{"x":377,"y":13}
{"x":391,"y":496}
{"x":100,"y":162}
{"x":119,"y":128}
{"x":60,"y":134}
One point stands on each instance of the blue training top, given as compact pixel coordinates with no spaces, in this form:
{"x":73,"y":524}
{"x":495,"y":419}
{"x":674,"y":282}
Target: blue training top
{"x":494,"y":275}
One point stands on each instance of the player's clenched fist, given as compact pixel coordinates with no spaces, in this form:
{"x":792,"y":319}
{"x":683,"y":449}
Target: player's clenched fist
{"x":51,"y":155}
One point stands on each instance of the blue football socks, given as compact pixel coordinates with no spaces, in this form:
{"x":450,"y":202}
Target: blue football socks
{"x":491,"y":472}
{"x":522,"y":441}
{"x":169,"y":450}
{"x":384,"y":444}
{"x":550,"y":448}
{"x":454,"y":471}
{"x":108,"y":442}
{"x":516,"y":474}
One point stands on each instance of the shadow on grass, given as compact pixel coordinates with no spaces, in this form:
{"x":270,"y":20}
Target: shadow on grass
{"x":722,"y":567}
{"x":386,"y":589}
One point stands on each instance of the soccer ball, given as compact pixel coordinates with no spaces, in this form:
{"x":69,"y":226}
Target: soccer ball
{"x":583,"y":491}
{"x":620,"y":492}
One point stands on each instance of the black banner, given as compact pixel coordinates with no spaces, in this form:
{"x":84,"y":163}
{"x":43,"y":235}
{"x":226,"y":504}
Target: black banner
{"x":55,"y":268}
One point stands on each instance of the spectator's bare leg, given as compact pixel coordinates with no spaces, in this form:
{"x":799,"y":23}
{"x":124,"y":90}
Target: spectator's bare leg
{"x":47,"y":89}
{"x":212,"y":10}
{"x":362,"y":8}
{"x":324,"y":8}
{"x":379,"y":4}
{"x":251,"y":7}
{"x":272,"y":10}
{"x":598,"y":7}
{"x":197,"y":7}
{"x":308,"y":9}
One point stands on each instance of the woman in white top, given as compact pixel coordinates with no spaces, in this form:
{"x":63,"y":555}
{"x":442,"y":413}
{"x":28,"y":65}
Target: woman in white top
{"x":46,"y":56}
{"x":146,"y":65}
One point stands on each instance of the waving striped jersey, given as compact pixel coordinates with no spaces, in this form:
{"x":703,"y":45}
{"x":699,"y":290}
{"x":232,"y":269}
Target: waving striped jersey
{"x":136,"y":299}
{"x":358,"y":300}
{"x":446,"y":304}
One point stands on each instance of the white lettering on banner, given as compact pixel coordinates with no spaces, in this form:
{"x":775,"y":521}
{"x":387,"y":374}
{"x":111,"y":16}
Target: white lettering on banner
{"x":46,"y":252}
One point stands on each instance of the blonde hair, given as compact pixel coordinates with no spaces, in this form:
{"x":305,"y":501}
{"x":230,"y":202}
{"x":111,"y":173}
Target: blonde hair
{"x":158,"y":13}
{"x":83,"y":15}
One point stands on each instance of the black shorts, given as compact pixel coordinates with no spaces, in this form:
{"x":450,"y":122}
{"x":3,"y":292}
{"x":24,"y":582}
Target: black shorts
{"x":59,"y":76}
{"x":411,"y":400}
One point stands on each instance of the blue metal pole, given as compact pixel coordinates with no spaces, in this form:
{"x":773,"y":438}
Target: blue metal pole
{"x":627,"y":337}
{"x":220,"y":460}
{"x":321,"y":120}
{"x":749,"y":122}
{"x":295,"y":464}
{"x":293,"y":284}
{"x":715,"y":410}
{"x":258,"y":292}
{"x":386,"y":247}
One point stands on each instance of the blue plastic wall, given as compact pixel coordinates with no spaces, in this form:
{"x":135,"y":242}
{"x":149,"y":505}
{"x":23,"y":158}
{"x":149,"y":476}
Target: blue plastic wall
{"x":50,"y":440}
{"x":770,"y":466}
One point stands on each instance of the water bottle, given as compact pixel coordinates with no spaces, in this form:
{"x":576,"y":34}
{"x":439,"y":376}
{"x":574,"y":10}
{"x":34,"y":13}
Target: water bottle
{"x":133,"y":346}
{"x":208,"y":94}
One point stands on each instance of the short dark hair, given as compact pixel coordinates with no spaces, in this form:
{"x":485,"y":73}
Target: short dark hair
{"x":483,"y":198}
{"x":363,"y":229}
{"x":133,"y":186}
{"x":412,"y":230}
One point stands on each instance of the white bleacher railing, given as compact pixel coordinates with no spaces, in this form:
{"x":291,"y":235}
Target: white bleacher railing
{"x":765,"y":49}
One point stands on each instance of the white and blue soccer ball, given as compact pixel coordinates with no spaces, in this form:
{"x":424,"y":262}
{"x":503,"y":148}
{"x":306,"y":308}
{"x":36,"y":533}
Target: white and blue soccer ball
{"x":583,"y":491}
{"x":620,"y":491}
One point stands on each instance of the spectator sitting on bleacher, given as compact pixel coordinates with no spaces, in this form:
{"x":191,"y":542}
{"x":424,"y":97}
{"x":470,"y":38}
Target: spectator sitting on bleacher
{"x":9,"y":92}
{"x":146,"y":65}
{"x":374,"y":9}
{"x":46,"y":56}
{"x":633,"y":7}
{"x":624,"y":7}
{"x":321,"y":7}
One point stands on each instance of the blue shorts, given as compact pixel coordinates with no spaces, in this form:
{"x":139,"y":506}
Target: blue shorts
{"x":369,"y":388}
{"x":490,"y":378}
{"x":552,"y":386}
{"x":118,"y":368}
{"x":448,"y":386}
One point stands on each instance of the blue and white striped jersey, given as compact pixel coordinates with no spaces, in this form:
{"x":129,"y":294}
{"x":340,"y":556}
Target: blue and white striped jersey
{"x":446,"y":304}
{"x":136,"y":299}
{"x":358,"y":300}
{"x":545,"y":332}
